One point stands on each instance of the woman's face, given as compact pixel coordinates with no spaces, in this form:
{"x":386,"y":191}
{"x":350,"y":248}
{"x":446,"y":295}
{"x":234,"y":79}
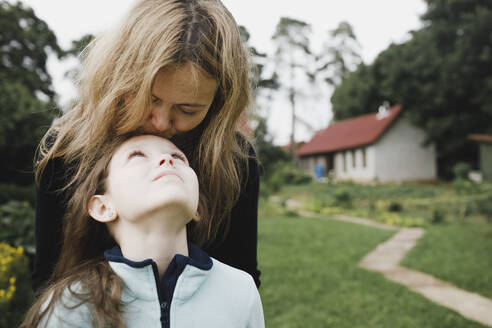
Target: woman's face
{"x":181,"y":98}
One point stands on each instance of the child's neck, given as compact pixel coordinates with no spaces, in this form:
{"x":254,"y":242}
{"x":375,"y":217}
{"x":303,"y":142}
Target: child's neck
{"x":158,"y":236}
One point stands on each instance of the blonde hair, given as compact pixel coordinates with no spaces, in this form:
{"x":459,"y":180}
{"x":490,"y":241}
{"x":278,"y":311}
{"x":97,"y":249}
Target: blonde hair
{"x":119,"y":68}
{"x":81,"y":260}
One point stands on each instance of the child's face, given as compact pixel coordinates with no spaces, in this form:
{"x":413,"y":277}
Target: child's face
{"x":147,"y":173}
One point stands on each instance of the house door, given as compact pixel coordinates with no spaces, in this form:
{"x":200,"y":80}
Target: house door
{"x":330,"y":162}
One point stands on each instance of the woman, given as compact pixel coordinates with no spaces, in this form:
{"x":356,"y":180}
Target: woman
{"x":177,"y":69}
{"x":141,"y":192}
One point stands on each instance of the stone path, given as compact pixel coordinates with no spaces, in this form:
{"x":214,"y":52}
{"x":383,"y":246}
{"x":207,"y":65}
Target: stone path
{"x":386,"y":257}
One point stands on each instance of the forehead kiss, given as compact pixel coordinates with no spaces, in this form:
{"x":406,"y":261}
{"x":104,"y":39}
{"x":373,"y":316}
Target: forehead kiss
{"x":146,"y":146}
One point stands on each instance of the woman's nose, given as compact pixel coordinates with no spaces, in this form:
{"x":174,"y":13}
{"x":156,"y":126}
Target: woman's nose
{"x":161,"y":119}
{"x":166,"y":159}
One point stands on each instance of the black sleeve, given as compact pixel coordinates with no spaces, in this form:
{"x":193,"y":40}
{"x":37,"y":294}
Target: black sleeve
{"x":50,"y":208}
{"x":239,"y":248}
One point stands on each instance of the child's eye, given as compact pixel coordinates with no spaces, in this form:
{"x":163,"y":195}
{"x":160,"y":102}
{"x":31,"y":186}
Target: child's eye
{"x":155,"y":100}
{"x":179,"y":156}
{"x":136,"y":153}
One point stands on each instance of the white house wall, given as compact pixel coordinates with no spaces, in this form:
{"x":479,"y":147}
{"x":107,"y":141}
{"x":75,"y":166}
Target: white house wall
{"x":359,"y":172}
{"x":400,"y":156}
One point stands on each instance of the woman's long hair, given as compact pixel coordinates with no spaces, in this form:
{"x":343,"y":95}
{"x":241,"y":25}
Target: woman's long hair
{"x":119,"y":68}
{"x":82,"y":271}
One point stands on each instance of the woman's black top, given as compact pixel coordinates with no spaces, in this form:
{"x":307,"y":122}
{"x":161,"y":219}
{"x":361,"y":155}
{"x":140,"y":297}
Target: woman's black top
{"x":238,"y":249}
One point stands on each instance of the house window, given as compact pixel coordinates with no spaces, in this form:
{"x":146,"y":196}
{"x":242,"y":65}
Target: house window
{"x":364,"y":157}
{"x":353,"y":158}
{"x":344,"y":155}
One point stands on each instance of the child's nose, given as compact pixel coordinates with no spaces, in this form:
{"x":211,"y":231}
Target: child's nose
{"x":166,"y":158}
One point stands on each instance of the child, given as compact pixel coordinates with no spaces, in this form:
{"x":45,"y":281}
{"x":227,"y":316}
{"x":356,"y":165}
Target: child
{"x":142,"y":193}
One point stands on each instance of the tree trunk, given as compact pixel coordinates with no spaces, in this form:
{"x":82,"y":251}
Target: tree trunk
{"x":292,"y":134}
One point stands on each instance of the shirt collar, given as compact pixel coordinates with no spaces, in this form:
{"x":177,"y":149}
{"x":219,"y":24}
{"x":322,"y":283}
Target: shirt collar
{"x":141,"y":278}
{"x":196,"y":258}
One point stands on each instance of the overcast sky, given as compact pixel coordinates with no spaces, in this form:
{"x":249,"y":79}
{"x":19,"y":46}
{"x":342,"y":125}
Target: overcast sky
{"x":376,"y":24}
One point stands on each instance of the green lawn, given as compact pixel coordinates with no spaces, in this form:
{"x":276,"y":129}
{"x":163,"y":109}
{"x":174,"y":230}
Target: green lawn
{"x":459,"y":253}
{"x":310,"y":278}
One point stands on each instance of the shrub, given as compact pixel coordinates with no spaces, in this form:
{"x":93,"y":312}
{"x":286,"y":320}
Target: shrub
{"x":465,"y":207}
{"x":266,"y":190}
{"x":15,"y":285}
{"x":484,"y":206}
{"x":485,"y":187}
{"x":268,"y":209}
{"x":332,"y":210}
{"x":285,"y":173}
{"x":395,"y":207}
{"x":313,"y":204}
{"x":17,"y":224}
{"x":396,"y":219}
{"x":437,"y":216}
{"x":461,"y":171}
{"x":463,"y":187}
{"x":10,"y":192}
{"x":343,"y":198}
{"x":291,"y":213}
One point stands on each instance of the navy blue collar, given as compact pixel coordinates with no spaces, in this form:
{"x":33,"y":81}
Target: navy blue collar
{"x":167,"y":284}
{"x":196,"y":258}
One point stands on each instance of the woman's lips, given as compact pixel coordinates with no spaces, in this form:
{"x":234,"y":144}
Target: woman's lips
{"x":166,"y":173}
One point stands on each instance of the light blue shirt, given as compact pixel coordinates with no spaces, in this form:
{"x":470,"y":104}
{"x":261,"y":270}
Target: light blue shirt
{"x":205,"y":293}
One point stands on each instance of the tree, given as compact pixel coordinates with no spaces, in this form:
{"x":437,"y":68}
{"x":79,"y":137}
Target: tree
{"x":442,"y":76}
{"x":293,"y":61}
{"x":267,"y":152}
{"x":358,"y":93}
{"x":257,"y":64}
{"x":27,"y":99}
{"x":75,"y":50}
{"x":340,"y":54}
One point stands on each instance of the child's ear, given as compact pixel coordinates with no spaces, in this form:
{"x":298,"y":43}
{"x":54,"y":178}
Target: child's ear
{"x":100,"y":209}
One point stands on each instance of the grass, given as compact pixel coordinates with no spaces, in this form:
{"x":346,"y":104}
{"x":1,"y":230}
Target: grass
{"x":414,"y":201}
{"x":310,"y":278}
{"x":382,"y":191}
{"x":459,"y":253}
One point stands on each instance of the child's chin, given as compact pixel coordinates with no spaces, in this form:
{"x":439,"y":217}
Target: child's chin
{"x":174,"y":205}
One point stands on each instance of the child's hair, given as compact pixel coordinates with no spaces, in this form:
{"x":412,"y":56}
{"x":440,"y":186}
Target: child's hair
{"x":119,"y":68}
{"x":80,"y":262}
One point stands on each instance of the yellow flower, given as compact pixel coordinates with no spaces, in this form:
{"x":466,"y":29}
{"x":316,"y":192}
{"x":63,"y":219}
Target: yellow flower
{"x":12,"y":280}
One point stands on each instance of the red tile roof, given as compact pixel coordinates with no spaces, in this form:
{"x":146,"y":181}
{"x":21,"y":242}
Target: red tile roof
{"x":350,"y":133}
{"x":481,"y":137}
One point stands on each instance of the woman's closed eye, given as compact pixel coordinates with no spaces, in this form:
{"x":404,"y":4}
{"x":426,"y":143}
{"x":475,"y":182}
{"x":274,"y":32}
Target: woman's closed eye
{"x":187,"y":112}
{"x":155,"y":100}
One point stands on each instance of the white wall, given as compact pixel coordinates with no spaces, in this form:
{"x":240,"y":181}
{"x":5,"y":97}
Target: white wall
{"x":400,"y":155}
{"x":359,"y":172}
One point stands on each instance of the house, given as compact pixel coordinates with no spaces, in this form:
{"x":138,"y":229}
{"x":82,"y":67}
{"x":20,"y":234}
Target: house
{"x":383,"y":146}
{"x":485,"y":154}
